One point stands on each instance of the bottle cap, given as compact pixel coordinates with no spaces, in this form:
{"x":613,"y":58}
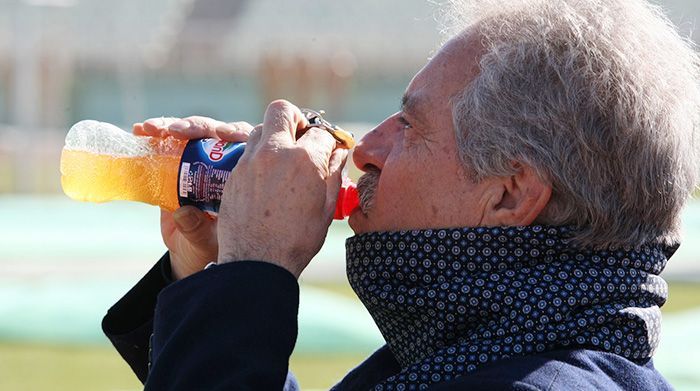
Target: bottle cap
{"x":348,"y":200}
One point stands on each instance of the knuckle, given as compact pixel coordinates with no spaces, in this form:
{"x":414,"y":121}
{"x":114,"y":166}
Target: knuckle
{"x":282,"y":113}
{"x":280,"y":104}
{"x":197,"y":122}
{"x":322,"y":135}
{"x":241,"y":125}
{"x":154,"y":121}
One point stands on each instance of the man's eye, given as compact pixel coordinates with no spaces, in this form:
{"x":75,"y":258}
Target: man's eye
{"x":406,"y":124}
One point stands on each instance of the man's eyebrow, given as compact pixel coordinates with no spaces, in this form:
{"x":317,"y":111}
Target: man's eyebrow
{"x":409,"y":105}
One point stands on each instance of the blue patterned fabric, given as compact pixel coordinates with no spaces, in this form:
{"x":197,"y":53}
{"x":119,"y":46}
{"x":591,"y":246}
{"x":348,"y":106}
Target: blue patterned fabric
{"x":450,"y":300}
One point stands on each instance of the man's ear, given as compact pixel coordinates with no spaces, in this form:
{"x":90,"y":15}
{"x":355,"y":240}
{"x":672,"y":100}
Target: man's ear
{"x":517,"y":200}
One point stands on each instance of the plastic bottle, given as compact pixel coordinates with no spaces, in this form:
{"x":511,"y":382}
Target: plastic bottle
{"x":101,"y":162}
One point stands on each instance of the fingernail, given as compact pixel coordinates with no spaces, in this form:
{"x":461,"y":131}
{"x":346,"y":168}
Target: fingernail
{"x":179,"y":126}
{"x":186,"y":219}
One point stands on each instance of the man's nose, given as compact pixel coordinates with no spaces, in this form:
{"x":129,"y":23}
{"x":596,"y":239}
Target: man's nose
{"x":374,"y":148}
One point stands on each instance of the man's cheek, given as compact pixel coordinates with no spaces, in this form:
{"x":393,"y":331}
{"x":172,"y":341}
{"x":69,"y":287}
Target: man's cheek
{"x":395,"y":204}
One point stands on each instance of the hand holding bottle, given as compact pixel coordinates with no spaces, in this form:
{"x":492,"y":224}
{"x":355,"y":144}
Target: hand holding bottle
{"x":172,"y":162}
{"x":188,"y":233}
{"x":281,"y":198}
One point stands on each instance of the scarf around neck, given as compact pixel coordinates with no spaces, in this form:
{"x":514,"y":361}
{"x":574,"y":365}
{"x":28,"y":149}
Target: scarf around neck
{"x":448,"y":301}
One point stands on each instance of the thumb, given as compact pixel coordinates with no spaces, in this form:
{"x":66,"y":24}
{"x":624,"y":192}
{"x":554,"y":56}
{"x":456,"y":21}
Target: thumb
{"x":195,"y":226}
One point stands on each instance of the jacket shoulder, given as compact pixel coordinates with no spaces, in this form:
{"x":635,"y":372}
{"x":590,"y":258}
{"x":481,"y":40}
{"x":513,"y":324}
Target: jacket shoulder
{"x":563,"y":370}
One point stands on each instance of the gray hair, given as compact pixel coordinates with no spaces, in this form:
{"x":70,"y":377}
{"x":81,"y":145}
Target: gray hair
{"x":601,"y":97}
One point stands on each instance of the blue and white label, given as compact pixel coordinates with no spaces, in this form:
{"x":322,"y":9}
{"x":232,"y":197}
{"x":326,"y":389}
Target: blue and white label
{"x":205,"y":167}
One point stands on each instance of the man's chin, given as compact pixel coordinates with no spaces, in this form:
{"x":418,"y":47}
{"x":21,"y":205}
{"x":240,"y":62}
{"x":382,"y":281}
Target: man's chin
{"x":358,"y":221}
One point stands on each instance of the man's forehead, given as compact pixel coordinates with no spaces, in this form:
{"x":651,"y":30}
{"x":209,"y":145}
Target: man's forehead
{"x":430,"y":92}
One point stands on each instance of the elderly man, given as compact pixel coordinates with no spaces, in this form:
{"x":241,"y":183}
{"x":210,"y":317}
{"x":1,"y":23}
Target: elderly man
{"x":515,"y":216}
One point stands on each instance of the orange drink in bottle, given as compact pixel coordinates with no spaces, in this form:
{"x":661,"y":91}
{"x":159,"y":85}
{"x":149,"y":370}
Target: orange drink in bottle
{"x":101,"y":162}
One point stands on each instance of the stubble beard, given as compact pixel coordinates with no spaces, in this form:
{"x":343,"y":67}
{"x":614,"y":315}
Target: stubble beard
{"x":367,"y":189}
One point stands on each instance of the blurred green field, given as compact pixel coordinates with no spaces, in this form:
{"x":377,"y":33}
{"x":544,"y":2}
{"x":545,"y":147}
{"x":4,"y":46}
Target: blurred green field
{"x":58,"y":368}
{"x":76,"y":368}
{"x":56,"y":292}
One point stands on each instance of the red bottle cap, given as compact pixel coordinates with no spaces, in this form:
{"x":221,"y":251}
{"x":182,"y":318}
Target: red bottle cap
{"x":348,"y":200}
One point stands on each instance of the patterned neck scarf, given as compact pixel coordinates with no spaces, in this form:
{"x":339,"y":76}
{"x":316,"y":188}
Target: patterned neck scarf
{"x":450,"y":300}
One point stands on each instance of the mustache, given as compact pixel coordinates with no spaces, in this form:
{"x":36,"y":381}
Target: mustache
{"x":367,"y":188}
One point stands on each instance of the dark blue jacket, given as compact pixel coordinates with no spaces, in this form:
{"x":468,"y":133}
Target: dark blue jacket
{"x":234,"y":326}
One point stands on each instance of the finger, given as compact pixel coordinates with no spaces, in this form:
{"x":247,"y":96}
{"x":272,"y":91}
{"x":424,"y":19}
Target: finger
{"x":137,"y":129}
{"x":195,"y":226}
{"x":281,"y":123}
{"x":194,"y":127}
{"x":318,"y":139}
{"x":335,"y":178}
{"x":252,"y":144}
{"x":319,"y":144}
{"x":254,"y":138}
{"x":167,"y":225}
{"x":234,"y":132}
{"x":158,"y":127}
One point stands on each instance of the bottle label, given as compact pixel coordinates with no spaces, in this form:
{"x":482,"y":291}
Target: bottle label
{"x":204,"y":168}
